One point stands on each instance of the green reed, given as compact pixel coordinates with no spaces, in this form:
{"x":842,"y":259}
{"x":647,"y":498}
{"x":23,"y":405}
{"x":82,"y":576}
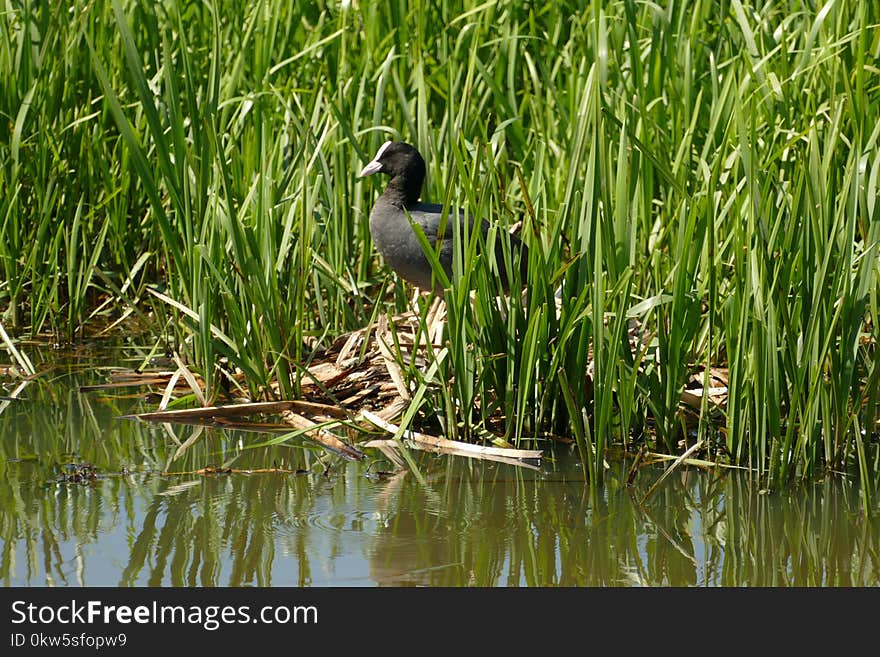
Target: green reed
{"x":698,"y":181}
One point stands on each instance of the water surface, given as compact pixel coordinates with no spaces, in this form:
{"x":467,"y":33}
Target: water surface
{"x":337,"y":523}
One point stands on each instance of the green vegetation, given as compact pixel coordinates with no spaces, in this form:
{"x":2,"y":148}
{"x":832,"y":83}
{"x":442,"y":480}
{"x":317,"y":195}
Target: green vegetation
{"x":708,"y":169}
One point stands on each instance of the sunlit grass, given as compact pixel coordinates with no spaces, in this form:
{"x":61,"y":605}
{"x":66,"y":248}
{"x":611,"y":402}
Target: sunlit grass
{"x":710,"y":175}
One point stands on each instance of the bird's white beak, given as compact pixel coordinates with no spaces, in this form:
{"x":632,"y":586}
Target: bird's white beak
{"x":373,"y":167}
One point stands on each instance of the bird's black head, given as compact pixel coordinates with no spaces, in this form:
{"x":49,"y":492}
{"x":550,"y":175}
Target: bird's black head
{"x":404,"y":164}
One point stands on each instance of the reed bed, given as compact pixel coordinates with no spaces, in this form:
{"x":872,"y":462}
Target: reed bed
{"x":702,"y":174}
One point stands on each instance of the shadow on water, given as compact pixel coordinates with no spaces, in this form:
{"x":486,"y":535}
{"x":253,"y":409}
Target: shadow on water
{"x":337,"y":523}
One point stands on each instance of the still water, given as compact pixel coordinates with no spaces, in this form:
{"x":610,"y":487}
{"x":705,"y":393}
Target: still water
{"x":337,"y":523}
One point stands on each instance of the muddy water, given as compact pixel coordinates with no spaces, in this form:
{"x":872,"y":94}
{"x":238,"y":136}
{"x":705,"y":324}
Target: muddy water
{"x":123,"y":521}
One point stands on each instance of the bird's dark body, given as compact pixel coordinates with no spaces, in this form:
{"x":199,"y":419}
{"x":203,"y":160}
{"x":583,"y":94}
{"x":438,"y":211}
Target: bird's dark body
{"x":399,"y":245}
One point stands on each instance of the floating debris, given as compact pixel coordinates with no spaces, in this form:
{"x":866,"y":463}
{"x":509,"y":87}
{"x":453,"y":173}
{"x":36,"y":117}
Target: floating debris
{"x":77,"y":473}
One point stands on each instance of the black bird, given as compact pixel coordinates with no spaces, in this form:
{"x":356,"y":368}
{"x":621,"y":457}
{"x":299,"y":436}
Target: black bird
{"x":393,"y":234}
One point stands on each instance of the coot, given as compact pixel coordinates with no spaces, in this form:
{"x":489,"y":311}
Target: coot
{"x":393,"y":234}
